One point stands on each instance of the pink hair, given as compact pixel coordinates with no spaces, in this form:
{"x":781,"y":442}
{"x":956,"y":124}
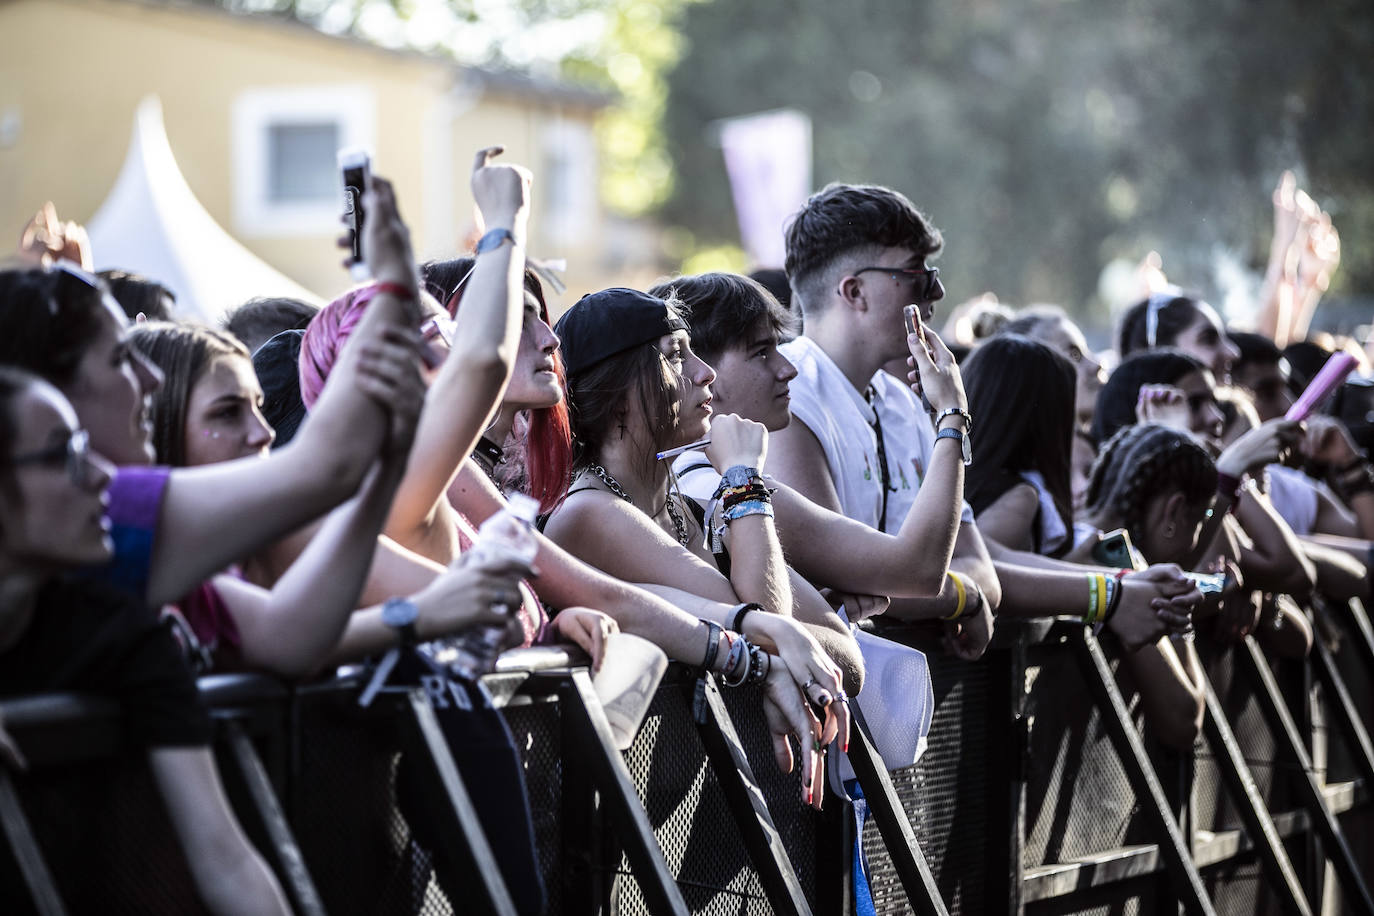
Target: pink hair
{"x":325,"y":337}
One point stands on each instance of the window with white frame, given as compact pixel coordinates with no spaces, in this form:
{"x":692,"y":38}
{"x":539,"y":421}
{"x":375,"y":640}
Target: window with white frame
{"x":568,"y":179}
{"x":285,"y":141}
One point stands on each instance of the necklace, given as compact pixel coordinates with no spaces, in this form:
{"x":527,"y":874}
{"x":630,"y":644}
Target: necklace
{"x":679,"y":526}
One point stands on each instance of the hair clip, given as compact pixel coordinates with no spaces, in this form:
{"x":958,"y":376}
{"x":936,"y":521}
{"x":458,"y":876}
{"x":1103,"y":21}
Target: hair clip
{"x":1157,"y":301}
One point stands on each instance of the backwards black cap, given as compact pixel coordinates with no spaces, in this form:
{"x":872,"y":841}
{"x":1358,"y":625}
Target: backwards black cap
{"x":600,"y":325}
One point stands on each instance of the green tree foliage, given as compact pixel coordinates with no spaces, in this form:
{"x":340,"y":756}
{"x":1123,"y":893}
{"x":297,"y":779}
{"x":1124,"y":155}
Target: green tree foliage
{"x":1047,"y":137}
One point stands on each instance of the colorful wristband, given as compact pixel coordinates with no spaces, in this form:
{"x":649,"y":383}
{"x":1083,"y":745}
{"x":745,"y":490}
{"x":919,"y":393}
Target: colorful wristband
{"x":961,"y":595}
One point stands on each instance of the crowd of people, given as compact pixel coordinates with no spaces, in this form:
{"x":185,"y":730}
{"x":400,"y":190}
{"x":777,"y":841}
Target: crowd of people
{"x":739,"y":470}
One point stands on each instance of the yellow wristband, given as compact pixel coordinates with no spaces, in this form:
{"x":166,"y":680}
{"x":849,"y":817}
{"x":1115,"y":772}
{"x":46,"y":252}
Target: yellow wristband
{"x":1090,"y":618}
{"x":961,"y":592}
{"x":1101,"y":598}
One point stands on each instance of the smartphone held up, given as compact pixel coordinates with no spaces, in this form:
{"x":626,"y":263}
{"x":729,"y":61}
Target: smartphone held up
{"x":354,"y":166}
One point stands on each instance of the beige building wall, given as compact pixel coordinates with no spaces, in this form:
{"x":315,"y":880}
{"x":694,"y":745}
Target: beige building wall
{"x":73,"y":71}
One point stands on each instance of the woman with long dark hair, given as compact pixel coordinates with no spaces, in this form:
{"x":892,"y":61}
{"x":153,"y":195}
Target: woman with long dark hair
{"x":1022,"y":393}
{"x":636,"y":389}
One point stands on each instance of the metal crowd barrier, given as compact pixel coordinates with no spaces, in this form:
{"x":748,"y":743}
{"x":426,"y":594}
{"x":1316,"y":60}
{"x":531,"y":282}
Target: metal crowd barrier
{"x":1038,"y":794}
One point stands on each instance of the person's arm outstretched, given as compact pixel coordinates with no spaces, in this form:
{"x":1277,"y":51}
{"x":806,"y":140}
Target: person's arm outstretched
{"x":474,"y":375}
{"x":215,"y":515}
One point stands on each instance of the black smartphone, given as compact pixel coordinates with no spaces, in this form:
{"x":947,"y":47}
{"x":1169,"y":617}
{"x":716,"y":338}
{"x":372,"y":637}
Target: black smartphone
{"x":354,"y":165}
{"x":1115,"y":549}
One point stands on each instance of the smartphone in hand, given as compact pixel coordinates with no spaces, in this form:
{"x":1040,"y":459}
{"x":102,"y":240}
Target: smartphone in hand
{"x":354,"y":165}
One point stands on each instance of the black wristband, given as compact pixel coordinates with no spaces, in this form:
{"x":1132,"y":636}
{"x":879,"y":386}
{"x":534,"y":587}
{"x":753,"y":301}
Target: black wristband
{"x":712,"y":644}
{"x":737,"y":620}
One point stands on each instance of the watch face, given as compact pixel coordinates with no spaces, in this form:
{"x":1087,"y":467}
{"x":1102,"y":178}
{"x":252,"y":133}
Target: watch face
{"x":398,"y":612}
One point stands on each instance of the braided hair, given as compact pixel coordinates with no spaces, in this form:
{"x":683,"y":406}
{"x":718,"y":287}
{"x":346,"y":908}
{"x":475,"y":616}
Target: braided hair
{"x":1145,"y":461}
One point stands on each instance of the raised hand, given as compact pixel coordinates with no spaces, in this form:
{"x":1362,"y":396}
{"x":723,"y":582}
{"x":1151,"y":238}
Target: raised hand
{"x":386,"y":239}
{"x":736,"y":441}
{"x":1328,"y":442}
{"x":1267,"y":443}
{"x":934,"y":372}
{"x":389,"y":373}
{"x":1162,"y":404}
{"x":502,"y":192}
{"x":46,"y":239}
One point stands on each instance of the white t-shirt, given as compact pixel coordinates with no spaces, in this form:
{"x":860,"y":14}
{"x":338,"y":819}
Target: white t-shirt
{"x":1294,"y":496}
{"x":841,"y":419}
{"x":909,"y":436}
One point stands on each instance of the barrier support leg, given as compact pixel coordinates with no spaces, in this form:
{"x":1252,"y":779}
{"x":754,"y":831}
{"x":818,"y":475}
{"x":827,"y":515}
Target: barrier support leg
{"x":1344,"y":705}
{"x":461,"y":832}
{"x":1250,"y":657}
{"x":242,"y":764}
{"x":1115,"y":719}
{"x":1283,"y":880}
{"x":591,"y":734}
{"x":24,"y":848}
{"x":750,"y":812}
{"x":900,"y":840}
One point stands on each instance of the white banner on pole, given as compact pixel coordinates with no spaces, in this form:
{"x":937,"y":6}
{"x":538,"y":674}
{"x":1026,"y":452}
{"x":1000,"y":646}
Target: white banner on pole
{"x":768,"y":158}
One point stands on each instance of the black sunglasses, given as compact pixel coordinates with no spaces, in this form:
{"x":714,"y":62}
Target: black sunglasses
{"x":928,"y":291}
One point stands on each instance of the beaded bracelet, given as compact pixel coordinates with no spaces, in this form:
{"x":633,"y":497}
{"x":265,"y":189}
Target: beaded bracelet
{"x":751,"y":507}
{"x":760,"y":664}
{"x":961,"y":595}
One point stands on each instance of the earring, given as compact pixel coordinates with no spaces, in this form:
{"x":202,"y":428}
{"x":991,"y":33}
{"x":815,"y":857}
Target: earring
{"x":1169,"y":530}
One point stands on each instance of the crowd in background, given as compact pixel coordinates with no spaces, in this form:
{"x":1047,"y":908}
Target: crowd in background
{"x":753,"y":473}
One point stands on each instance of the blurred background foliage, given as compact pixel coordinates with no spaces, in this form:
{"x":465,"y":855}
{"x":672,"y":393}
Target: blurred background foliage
{"x":1046,"y":138}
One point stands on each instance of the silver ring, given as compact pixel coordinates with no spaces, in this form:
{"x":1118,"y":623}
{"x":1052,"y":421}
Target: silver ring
{"x":808,"y":685}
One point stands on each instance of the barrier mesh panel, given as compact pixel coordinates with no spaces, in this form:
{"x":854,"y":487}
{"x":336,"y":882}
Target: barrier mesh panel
{"x":690,"y":816}
{"x":944,"y":795}
{"x":535,"y":727}
{"x":1237,"y":888}
{"x":1079,"y":800}
{"x":1213,"y":810}
{"x":347,"y":790}
{"x":106,"y":838}
{"x":796,"y":823}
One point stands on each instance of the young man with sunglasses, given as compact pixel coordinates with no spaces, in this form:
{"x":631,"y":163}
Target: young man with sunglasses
{"x":860,"y":439}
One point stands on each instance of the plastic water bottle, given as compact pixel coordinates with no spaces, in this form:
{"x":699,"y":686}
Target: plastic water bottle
{"x":509,"y":534}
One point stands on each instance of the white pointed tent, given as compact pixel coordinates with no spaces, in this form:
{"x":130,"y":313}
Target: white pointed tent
{"x":152,"y":224}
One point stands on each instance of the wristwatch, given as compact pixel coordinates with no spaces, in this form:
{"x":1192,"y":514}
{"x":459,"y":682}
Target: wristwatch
{"x":963,"y":442}
{"x":956,"y":412}
{"x":400,"y":614}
